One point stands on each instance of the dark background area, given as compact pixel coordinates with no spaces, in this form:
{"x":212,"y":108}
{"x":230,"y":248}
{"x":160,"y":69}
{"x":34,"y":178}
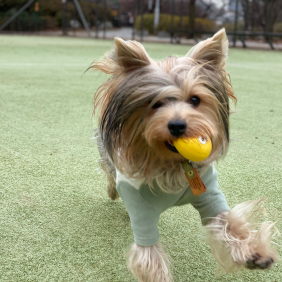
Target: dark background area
{"x":243,"y":19}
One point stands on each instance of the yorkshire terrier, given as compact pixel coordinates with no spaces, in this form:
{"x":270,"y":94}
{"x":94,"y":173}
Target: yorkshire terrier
{"x":145,"y":106}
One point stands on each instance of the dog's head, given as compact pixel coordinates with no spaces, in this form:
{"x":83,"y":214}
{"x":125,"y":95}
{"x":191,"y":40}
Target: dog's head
{"x":146,"y":104}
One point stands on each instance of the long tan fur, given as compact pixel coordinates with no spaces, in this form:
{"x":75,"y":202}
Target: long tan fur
{"x":129,"y":101}
{"x":149,"y":264}
{"x":237,"y":235}
{"x":135,"y":106}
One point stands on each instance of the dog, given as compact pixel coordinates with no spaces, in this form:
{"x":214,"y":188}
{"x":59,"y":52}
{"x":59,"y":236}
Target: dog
{"x":142,"y":109}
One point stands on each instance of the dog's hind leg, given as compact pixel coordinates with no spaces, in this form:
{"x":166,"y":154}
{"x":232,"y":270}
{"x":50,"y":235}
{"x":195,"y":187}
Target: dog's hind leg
{"x":111,"y":182}
{"x":111,"y":188}
{"x":108,"y":167}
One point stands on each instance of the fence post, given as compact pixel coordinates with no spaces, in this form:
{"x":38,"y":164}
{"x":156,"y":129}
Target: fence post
{"x":134,"y":18}
{"x":269,"y":21}
{"x":172,"y":22}
{"x":180,"y":21}
{"x":246,"y":16}
{"x":235,"y":24}
{"x":142,"y":20}
{"x":156,"y":15}
{"x":96,"y":19}
{"x":105,"y":19}
{"x":64,"y":17}
{"x":82,"y":17}
{"x":192,"y":17}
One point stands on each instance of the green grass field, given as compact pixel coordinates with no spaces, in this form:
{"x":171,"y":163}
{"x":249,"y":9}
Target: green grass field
{"x":56,"y":221}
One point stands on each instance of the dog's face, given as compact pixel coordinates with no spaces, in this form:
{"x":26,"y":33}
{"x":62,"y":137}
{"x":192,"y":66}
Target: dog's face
{"x":146,"y":105}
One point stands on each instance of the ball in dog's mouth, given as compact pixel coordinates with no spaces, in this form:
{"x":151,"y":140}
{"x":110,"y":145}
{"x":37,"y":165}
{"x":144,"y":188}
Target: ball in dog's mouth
{"x":170,"y":146}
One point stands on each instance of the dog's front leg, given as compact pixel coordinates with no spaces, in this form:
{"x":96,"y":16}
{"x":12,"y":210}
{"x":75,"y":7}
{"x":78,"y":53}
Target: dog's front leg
{"x":150,"y":263}
{"x":237,"y":239}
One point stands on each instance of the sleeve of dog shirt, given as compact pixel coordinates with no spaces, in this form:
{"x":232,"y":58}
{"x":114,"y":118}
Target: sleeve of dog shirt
{"x":143,"y":216}
{"x":213,"y":201}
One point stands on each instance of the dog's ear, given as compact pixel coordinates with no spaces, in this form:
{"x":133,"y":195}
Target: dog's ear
{"x":213,"y":50}
{"x":130,"y":55}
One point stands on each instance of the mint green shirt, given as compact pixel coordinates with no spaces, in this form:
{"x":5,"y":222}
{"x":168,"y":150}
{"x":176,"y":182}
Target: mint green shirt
{"x":145,"y":206}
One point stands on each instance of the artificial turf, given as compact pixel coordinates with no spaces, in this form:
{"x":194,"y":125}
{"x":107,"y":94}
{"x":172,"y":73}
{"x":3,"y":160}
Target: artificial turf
{"x":56,"y":221}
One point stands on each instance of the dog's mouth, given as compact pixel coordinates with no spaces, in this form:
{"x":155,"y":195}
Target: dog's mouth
{"x":170,"y":146}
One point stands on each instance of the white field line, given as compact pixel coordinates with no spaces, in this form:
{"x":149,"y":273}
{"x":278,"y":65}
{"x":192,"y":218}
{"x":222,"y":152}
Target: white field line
{"x":41,"y":65}
{"x":274,"y":68}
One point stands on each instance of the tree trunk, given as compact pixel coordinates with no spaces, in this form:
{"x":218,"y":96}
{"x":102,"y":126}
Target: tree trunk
{"x":246,"y":14}
{"x":192,"y":17}
{"x":269,"y":16}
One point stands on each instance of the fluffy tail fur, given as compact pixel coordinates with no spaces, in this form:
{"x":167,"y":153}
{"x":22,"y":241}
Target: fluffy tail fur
{"x":236,"y":237}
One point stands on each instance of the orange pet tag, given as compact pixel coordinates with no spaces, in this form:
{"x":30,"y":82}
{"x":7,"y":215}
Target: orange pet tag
{"x":195,"y":182}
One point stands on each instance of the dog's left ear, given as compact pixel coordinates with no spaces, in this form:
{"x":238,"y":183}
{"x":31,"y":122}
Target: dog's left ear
{"x":130,"y":55}
{"x":213,"y":50}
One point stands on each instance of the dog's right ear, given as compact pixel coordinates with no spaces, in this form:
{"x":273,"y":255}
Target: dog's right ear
{"x":130,"y":55}
{"x":213,"y":50}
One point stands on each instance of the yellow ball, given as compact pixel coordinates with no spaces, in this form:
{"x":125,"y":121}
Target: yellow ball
{"x":194,"y":149}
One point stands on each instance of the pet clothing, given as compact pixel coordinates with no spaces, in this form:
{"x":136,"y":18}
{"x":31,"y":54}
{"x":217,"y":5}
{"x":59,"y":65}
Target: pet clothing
{"x":145,"y":205}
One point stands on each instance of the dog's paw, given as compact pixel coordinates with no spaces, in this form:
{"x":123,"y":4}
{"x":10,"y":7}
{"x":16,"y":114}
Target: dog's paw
{"x":257,"y":262}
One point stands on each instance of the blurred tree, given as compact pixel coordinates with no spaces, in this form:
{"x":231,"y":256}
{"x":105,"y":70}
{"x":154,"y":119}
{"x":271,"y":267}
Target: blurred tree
{"x":192,"y":16}
{"x":269,"y":14}
{"x":261,"y":14}
{"x":6,"y":5}
{"x":50,"y":7}
{"x":49,"y":15}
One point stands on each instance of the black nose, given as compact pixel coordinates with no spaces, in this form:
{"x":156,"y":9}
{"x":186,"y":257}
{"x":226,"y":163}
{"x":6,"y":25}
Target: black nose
{"x":177,"y":127}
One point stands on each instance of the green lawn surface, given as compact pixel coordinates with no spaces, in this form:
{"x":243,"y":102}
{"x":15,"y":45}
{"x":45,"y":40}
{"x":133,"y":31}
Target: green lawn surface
{"x":56,"y":221}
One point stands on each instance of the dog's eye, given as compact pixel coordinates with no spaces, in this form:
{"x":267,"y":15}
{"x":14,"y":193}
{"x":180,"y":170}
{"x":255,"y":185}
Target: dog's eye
{"x":195,"y":101}
{"x":157,"y":105}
